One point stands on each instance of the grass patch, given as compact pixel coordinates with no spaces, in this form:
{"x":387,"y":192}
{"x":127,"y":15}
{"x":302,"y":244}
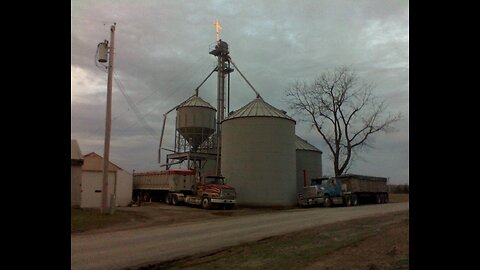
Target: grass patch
{"x":291,"y":251}
{"x":83,"y":219}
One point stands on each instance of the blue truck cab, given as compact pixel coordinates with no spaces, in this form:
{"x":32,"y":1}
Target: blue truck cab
{"x":330,"y":190}
{"x":332,"y":186}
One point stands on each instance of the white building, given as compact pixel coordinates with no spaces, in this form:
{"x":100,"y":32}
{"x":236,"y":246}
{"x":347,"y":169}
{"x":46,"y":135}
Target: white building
{"x":75,"y":174}
{"x":120,"y":182}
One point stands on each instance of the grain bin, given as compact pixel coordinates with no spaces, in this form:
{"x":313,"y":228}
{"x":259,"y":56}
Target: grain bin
{"x":195,"y":121}
{"x":258,"y":155}
{"x":309,"y":163}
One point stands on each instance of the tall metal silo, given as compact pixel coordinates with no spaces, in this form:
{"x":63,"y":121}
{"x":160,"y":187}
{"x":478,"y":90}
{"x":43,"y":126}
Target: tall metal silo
{"x":258,"y":155}
{"x":195,"y":121}
{"x":309,"y":162}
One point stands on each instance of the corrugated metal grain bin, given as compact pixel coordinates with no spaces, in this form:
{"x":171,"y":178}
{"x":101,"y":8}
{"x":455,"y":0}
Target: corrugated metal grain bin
{"x":258,"y":155}
{"x":309,"y":163}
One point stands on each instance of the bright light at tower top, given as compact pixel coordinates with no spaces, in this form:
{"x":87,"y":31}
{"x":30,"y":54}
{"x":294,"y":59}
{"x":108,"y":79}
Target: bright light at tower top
{"x":218,"y":27}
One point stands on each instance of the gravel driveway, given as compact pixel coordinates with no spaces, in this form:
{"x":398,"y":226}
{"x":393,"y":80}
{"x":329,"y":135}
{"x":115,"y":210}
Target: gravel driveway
{"x":134,"y":247}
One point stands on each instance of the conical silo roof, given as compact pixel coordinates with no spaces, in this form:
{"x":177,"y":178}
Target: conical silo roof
{"x":196,"y":102}
{"x":301,"y":144}
{"x":258,"y":108}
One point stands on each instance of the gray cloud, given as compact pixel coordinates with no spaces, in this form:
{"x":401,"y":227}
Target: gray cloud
{"x":162,"y":55}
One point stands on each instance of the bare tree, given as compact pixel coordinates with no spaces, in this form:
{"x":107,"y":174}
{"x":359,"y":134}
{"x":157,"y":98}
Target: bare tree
{"x":344,"y":112}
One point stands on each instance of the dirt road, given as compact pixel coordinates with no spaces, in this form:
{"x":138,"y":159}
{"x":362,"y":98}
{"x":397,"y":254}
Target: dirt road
{"x":121,"y":249}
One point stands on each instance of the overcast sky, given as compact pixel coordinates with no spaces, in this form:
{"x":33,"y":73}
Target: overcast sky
{"x":162,"y":55}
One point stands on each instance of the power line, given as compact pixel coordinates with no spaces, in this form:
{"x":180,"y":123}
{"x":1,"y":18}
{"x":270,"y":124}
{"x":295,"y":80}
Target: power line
{"x":175,"y":78}
{"x":181,"y":86}
{"x":171,"y":93}
{"x":132,"y":105}
{"x":141,"y":117}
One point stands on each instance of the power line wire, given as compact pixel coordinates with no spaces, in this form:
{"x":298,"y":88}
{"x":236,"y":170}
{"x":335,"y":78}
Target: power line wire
{"x":175,"y":78}
{"x":171,"y":93}
{"x":132,"y":105}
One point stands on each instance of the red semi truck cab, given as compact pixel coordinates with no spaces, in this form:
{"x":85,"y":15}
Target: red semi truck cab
{"x":212,"y":189}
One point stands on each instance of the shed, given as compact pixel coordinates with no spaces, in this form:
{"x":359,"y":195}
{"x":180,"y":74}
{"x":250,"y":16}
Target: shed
{"x":309,"y":162}
{"x":119,"y":181}
{"x":75,"y":173}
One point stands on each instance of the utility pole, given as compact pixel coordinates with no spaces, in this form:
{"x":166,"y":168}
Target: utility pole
{"x":108,"y":122}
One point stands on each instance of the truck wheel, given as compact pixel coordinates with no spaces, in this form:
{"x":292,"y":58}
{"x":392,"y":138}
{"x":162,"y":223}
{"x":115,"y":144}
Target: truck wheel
{"x":354,"y":200}
{"x":378,"y":197}
{"x":206,"y":203}
{"x":168,"y":199}
{"x":348,"y":201}
{"x":327,"y":202}
{"x":174,"y":199}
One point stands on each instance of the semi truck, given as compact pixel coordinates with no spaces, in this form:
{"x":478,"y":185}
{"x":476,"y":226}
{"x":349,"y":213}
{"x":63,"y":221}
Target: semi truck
{"x":347,"y":190}
{"x":177,"y":187}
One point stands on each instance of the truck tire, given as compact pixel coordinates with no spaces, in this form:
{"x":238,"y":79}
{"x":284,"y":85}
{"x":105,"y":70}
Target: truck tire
{"x":168,"y":198}
{"x":354,"y":200}
{"x":206,"y":203}
{"x":174,"y":199}
{"x":348,"y":201}
{"x":327,"y":202}
{"x":378,"y":198}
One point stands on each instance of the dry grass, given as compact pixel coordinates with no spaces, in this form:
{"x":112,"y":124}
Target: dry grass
{"x":398,"y":197}
{"x":85,"y":219}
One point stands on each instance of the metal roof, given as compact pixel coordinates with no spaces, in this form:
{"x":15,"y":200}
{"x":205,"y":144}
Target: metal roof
{"x":94,"y":162}
{"x":196,"y":102}
{"x":301,"y":144}
{"x":75,"y":152}
{"x":258,"y":108}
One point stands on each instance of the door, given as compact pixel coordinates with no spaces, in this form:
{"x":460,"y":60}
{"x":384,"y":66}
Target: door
{"x":91,"y":194}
